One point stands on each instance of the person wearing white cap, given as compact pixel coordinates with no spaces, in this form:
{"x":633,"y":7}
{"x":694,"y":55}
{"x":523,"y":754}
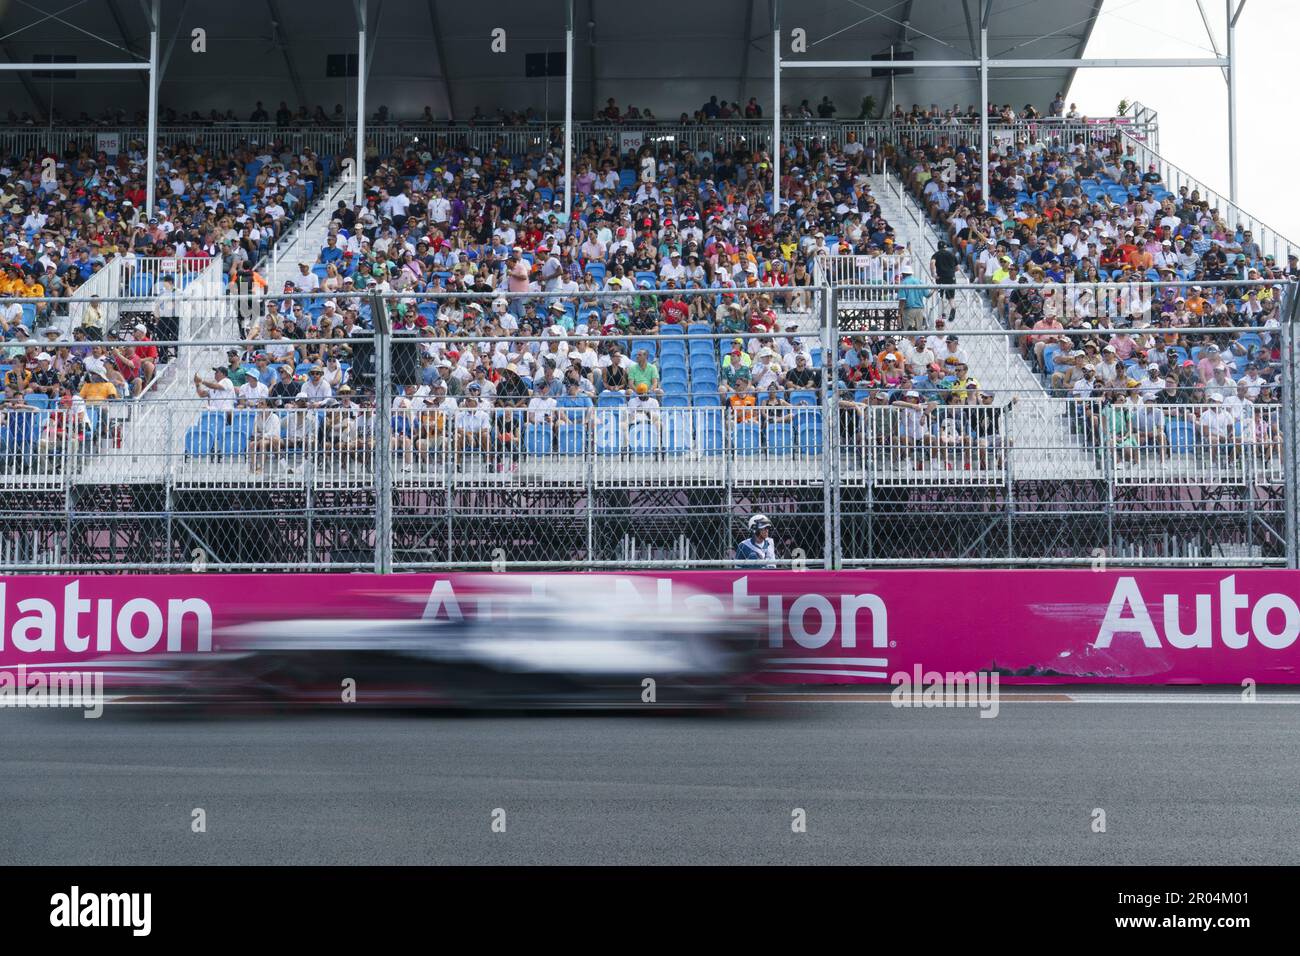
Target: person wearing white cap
{"x":45,"y":380}
{"x":1151,"y":385}
{"x":913,"y":428}
{"x":911,"y":300}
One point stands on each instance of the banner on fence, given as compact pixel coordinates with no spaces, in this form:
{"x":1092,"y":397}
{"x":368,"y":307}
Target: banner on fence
{"x":1055,"y":626}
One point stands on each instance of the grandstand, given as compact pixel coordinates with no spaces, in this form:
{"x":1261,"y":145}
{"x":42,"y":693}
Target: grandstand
{"x":306,"y":343}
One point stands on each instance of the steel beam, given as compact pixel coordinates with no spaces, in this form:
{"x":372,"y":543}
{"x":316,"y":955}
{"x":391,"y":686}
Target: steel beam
{"x":69,"y":67}
{"x":374,"y":38}
{"x":1004,"y":64}
{"x":970,"y":27}
{"x":281,"y":39}
{"x":359,"y":195}
{"x":1232,"y":98}
{"x":151,"y":139}
{"x":42,"y":108}
{"x":1214,"y":43}
{"x":120,"y":22}
{"x":171,"y":44}
{"x":776,"y":108}
{"x":568,"y":115}
{"x":440,"y":49}
{"x":984,"y":117}
{"x":747,"y":42}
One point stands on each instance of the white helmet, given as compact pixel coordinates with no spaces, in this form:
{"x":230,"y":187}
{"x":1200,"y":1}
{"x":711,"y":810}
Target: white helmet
{"x":759,"y":521}
{"x":500,"y":305}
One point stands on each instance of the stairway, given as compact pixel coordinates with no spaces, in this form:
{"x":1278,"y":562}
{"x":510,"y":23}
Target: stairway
{"x":1038,"y":425}
{"x":153,"y":432}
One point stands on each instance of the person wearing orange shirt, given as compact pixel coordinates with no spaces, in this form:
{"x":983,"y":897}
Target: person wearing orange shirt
{"x":97,"y":389}
{"x":1140,"y":259}
{"x":743,"y":400}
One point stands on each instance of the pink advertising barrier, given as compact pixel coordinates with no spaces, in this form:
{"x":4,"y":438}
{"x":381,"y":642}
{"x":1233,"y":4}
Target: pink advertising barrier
{"x":1033,"y":627}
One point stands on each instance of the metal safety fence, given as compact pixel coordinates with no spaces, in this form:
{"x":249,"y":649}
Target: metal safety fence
{"x":615,"y":434}
{"x":337,"y":140}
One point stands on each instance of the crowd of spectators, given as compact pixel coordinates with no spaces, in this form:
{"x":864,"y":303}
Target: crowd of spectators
{"x":1073,"y":231}
{"x":648,"y":228}
{"x":63,"y":217}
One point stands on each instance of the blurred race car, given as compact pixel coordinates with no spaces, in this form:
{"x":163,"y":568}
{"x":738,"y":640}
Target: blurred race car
{"x":561,"y":646}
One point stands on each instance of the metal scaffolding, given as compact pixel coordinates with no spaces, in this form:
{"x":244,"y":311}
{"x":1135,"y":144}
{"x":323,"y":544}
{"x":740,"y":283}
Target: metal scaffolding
{"x":980,"y":62}
{"x":983,"y":63}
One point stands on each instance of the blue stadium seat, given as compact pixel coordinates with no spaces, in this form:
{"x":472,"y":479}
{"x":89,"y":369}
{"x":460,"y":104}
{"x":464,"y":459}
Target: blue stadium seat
{"x":571,"y":439}
{"x":537,"y":439}
{"x":232,"y":441}
{"x":1182,"y":436}
{"x":676,"y":431}
{"x":780,"y":438}
{"x":748,"y":439}
{"x":809,"y":425}
{"x":642,"y":439}
{"x":710,"y":436}
{"x":609,"y":431}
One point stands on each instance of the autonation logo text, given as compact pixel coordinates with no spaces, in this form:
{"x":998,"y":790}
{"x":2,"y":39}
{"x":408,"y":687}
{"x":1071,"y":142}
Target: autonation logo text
{"x":1273,"y":620}
{"x":76,"y":624}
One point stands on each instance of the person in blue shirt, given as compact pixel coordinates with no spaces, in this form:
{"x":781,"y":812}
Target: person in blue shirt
{"x":911,"y":301}
{"x":758,"y":550}
{"x":331,"y":252}
{"x":575,"y":406}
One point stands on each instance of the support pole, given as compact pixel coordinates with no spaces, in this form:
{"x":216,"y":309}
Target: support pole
{"x":151,"y":139}
{"x":568,"y":117}
{"x":776,"y":109}
{"x":984,"y":116}
{"x":360,"y":195}
{"x":1232,"y":104}
{"x":383,"y":436}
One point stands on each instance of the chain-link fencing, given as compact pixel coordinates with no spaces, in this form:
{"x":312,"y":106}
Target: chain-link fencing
{"x":606,"y":428}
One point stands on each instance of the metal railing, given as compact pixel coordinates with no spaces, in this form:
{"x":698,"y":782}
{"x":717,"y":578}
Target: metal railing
{"x":871,"y":280}
{"x":1175,"y":179}
{"x":336,"y":140}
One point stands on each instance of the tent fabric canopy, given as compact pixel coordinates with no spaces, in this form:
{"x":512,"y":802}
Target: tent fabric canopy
{"x":669,"y":57}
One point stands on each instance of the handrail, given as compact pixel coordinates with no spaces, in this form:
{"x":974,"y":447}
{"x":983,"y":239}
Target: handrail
{"x":1174,"y":178}
{"x":623,"y":134}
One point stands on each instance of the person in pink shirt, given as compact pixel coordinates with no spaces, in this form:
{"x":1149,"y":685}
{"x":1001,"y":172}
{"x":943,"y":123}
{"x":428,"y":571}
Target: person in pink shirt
{"x":1209,"y":359}
{"x":1124,"y":346}
{"x":517,"y":272}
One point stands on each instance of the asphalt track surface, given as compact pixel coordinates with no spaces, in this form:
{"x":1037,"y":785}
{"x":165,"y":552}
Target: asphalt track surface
{"x":1187,"y":782}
